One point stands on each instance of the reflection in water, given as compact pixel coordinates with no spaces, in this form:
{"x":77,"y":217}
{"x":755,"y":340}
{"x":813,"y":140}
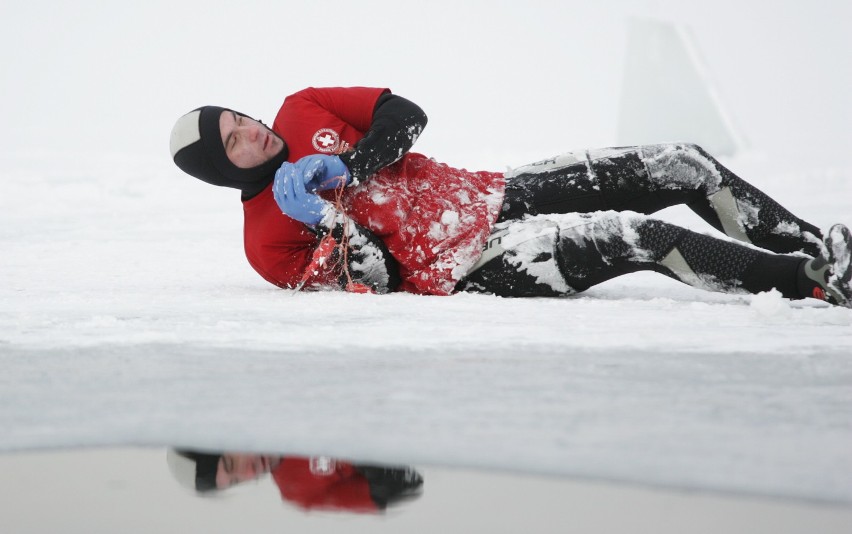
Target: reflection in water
{"x":311,"y":483}
{"x":131,"y":491}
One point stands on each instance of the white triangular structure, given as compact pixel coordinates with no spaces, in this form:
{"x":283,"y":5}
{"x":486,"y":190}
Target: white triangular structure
{"x":668,"y":94}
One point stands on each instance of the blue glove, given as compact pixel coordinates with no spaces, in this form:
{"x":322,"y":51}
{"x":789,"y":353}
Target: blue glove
{"x":288,"y":188}
{"x":323,"y":172}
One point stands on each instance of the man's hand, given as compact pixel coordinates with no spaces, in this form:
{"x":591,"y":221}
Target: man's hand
{"x":322,"y":172}
{"x":289,"y":191}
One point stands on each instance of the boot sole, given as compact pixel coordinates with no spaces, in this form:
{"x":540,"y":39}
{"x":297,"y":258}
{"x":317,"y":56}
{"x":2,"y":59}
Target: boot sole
{"x":839,"y":245}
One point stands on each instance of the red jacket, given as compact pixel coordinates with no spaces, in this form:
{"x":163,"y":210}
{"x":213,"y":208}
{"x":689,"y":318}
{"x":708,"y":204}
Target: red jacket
{"x":329,"y":485}
{"x":434,"y":219}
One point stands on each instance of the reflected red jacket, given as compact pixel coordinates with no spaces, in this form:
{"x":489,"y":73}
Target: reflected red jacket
{"x":434,"y":219}
{"x":324,"y":485}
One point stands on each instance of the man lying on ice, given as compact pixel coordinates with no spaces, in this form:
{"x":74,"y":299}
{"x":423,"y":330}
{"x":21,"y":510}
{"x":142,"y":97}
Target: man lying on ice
{"x":333,"y":198}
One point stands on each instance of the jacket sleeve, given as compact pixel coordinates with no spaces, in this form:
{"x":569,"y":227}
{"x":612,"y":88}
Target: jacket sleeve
{"x":396,"y":125}
{"x":359,"y":257}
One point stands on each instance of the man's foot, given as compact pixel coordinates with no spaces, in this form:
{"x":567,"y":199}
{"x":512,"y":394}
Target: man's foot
{"x":832,"y":270}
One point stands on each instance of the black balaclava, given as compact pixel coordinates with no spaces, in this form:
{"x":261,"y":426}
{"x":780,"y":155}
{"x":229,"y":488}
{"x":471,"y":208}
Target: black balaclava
{"x":203,"y":477}
{"x":196,"y":146}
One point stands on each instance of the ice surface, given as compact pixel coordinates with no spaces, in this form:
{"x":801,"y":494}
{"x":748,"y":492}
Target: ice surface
{"x":129,"y":315}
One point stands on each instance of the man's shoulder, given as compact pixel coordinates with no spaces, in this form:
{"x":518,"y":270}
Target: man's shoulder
{"x":325,"y":96}
{"x":264,"y":223}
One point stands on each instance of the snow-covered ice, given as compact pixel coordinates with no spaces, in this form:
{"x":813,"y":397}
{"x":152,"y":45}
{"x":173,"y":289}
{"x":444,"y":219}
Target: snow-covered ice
{"x":129,"y":316}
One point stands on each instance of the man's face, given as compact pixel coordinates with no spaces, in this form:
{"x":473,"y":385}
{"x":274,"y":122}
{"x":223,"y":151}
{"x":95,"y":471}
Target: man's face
{"x":236,"y":468}
{"x":248,"y":143}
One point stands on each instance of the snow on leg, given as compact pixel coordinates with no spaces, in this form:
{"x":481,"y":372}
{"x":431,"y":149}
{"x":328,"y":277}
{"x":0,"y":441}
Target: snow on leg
{"x":610,"y":244}
{"x":519,"y":261}
{"x":628,"y":242}
{"x":562,"y":184}
{"x":587,"y":181}
{"x":649,"y":178}
{"x":728,"y":202}
{"x":553,"y":255}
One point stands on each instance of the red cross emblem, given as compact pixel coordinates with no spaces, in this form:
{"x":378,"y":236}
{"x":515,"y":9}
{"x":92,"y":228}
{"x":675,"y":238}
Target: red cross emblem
{"x":326,"y":140}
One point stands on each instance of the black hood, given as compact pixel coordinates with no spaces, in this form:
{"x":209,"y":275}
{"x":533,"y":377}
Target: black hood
{"x":196,"y":147}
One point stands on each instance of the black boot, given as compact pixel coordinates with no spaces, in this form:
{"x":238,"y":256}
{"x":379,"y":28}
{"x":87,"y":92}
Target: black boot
{"x":829,"y":276}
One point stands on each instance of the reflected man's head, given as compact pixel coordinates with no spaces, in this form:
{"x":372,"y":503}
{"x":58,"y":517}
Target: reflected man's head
{"x":206,"y":472}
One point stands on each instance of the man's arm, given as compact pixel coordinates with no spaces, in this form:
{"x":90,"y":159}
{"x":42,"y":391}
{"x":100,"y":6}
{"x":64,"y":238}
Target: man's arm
{"x":397,"y":123}
{"x":367,"y":261}
{"x":360,"y":255}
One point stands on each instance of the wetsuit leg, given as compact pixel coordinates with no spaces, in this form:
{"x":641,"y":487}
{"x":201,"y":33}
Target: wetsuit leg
{"x":558,"y":255}
{"x":649,"y":178}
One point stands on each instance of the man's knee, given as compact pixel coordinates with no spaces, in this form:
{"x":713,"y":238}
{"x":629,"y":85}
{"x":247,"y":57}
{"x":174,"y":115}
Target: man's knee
{"x":682,"y":166}
{"x":595,"y":234}
{"x":620,"y":235}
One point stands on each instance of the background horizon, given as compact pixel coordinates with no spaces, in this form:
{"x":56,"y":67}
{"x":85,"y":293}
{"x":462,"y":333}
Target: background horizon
{"x":502,"y":84}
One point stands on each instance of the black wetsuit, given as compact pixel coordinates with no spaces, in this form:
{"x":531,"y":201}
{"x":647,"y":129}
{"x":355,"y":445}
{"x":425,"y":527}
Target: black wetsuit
{"x":610,"y":192}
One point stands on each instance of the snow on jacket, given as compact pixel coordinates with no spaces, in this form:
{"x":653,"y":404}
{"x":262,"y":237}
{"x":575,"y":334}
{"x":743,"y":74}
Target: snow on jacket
{"x":433,"y":219}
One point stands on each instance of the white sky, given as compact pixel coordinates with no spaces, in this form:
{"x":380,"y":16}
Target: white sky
{"x":499,"y":80}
